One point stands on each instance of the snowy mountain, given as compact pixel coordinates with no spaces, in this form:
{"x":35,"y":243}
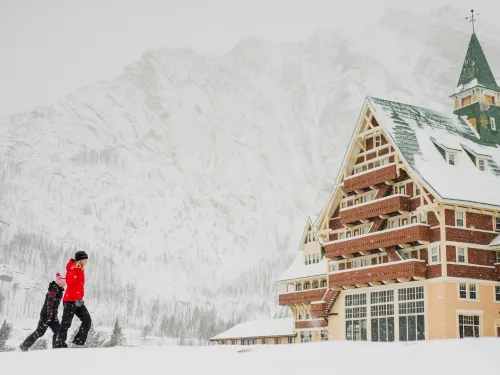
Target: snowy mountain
{"x":188,"y":178}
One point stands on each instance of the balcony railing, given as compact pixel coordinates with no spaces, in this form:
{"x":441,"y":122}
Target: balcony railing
{"x":403,"y":269}
{"x":305,"y":296}
{"x":370,"y":178}
{"x":370,"y":241}
{"x":374,"y":208}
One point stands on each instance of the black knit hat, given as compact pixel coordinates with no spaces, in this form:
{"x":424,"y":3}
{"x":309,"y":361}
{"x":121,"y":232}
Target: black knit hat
{"x":81,"y":255}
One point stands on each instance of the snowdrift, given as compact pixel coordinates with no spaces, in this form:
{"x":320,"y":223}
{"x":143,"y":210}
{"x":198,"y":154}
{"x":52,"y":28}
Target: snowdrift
{"x":473,"y":356}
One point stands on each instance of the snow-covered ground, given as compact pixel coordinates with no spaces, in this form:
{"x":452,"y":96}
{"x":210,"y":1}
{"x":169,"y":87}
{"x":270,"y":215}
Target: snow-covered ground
{"x":475,"y":356}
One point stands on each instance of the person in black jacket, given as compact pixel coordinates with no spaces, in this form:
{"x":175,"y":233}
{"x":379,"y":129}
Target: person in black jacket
{"x":48,"y":315}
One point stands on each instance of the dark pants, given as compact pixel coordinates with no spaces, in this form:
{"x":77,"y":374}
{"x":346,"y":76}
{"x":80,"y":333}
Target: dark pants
{"x":40,"y":331}
{"x":69,"y":311}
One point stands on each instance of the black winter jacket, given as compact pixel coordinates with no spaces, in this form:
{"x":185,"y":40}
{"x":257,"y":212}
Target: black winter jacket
{"x":51,"y":304}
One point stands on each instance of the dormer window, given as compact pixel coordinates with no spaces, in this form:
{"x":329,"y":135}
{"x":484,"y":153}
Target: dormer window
{"x":481,"y":165}
{"x":377,"y":141}
{"x":450,"y":158}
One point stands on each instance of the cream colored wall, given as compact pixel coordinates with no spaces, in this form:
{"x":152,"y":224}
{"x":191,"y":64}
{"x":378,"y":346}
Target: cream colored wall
{"x":336,"y":322}
{"x":444,"y":306}
{"x":312,"y":248}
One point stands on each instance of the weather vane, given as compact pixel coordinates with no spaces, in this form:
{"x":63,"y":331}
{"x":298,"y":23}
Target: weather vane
{"x":472,"y":19}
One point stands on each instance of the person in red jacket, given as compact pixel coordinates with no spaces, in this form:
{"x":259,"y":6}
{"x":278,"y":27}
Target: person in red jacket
{"x":73,"y":302}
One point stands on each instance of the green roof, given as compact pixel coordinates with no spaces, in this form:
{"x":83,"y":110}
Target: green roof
{"x":476,"y":67}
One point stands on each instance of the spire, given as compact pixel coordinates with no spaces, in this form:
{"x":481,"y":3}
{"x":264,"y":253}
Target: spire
{"x":476,"y":68}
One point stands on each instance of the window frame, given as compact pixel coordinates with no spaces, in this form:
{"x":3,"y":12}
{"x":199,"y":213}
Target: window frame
{"x":468,"y":291}
{"x":493,"y":124}
{"x":461,"y":334}
{"x":496,"y":293}
{"x":375,"y":139}
{"x":465,"y":254}
{"x":450,"y":158}
{"x":431,"y":255}
{"x":496,"y":223}
{"x":457,"y":219}
{"x":480,"y":161}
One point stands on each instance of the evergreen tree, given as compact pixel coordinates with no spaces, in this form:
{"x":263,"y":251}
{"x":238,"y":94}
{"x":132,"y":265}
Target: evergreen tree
{"x":117,"y":337}
{"x":94,"y":338}
{"x":146,"y":331}
{"x":5,"y":333}
{"x":40,"y":344}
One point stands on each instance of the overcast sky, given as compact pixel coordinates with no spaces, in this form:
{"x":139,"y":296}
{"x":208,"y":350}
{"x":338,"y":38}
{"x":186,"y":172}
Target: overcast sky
{"x":51,"y":47}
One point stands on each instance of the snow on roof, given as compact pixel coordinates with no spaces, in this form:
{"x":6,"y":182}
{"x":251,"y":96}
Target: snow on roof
{"x":415,"y":130}
{"x":495,"y":242}
{"x":259,"y":328}
{"x":299,"y":270}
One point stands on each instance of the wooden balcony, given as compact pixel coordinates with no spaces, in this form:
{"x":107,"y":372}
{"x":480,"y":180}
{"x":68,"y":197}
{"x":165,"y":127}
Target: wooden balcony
{"x":371,"y":241}
{"x":374,"y":208}
{"x":305,"y":296}
{"x":370,"y":178}
{"x":404,"y":270}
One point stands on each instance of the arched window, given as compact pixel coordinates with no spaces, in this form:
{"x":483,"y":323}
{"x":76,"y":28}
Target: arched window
{"x":307,"y":285}
{"x":315,"y":284}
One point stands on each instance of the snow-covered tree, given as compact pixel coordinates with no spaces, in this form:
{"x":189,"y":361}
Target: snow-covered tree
{"x":117,"y":337}
{"x":5,"y":333}
{"x":94,"y":339}
{"x":146,"y":331}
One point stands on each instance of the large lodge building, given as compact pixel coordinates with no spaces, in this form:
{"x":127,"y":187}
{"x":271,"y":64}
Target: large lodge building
{"x":408,"y":247}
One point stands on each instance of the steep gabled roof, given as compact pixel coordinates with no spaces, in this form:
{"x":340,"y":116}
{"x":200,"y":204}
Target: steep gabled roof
{"x":476,"y":71}
{"x":415,"y":130}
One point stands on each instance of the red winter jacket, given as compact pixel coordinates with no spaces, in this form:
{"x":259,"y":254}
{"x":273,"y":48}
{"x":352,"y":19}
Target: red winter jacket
{"x":75,"y":278}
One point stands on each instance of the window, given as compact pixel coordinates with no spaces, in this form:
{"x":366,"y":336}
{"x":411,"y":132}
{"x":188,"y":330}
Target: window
{"x":466,"y":101}
{"x":368,"y":262}
{"x":290,"y":340}
{"x":356,"y":263}
{"x":414,"y":220}
{"x":382,"y":315}
{"x":459,"y":219}
{"x":451,"y":158}
{"x":497,"y":223}
{"x":417,"y":191}
{"x":307,"y":285}
{"x":315,"y":284}
{"x":355,"y":317}
{"x":498,"y":256}
{"x":497,"y":293}
{"x":233,"y":342}
{"x":298,"y":287}
{"x":341,"y":235}
{"x":323,"y":283}
{"x":277,"y":340}
{"x":334,"y":267}
{"x":305,"y":336}
{"x":264,"y":341}
{"x":411,"y":314}
{"x":377,"y":164}
{"x":468,"y":326}
{"x":404,"y":222}
{"x":461,"y":255}
{"x":493,"y":123}
{"x":467,"y":291}
{"x":308,"y":316}
{"x":472,"y":291}
{"x":462,"y":290}
{"x":224,"y":342}
{"x":423,"y":217}
{"x":324,"y":336}
{"x":481,"y":164}
{"x":435,"y":255}
{"x":377,"y":141}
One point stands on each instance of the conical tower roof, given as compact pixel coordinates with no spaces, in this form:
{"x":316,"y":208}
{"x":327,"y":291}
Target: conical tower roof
{"x":476,"y":70}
